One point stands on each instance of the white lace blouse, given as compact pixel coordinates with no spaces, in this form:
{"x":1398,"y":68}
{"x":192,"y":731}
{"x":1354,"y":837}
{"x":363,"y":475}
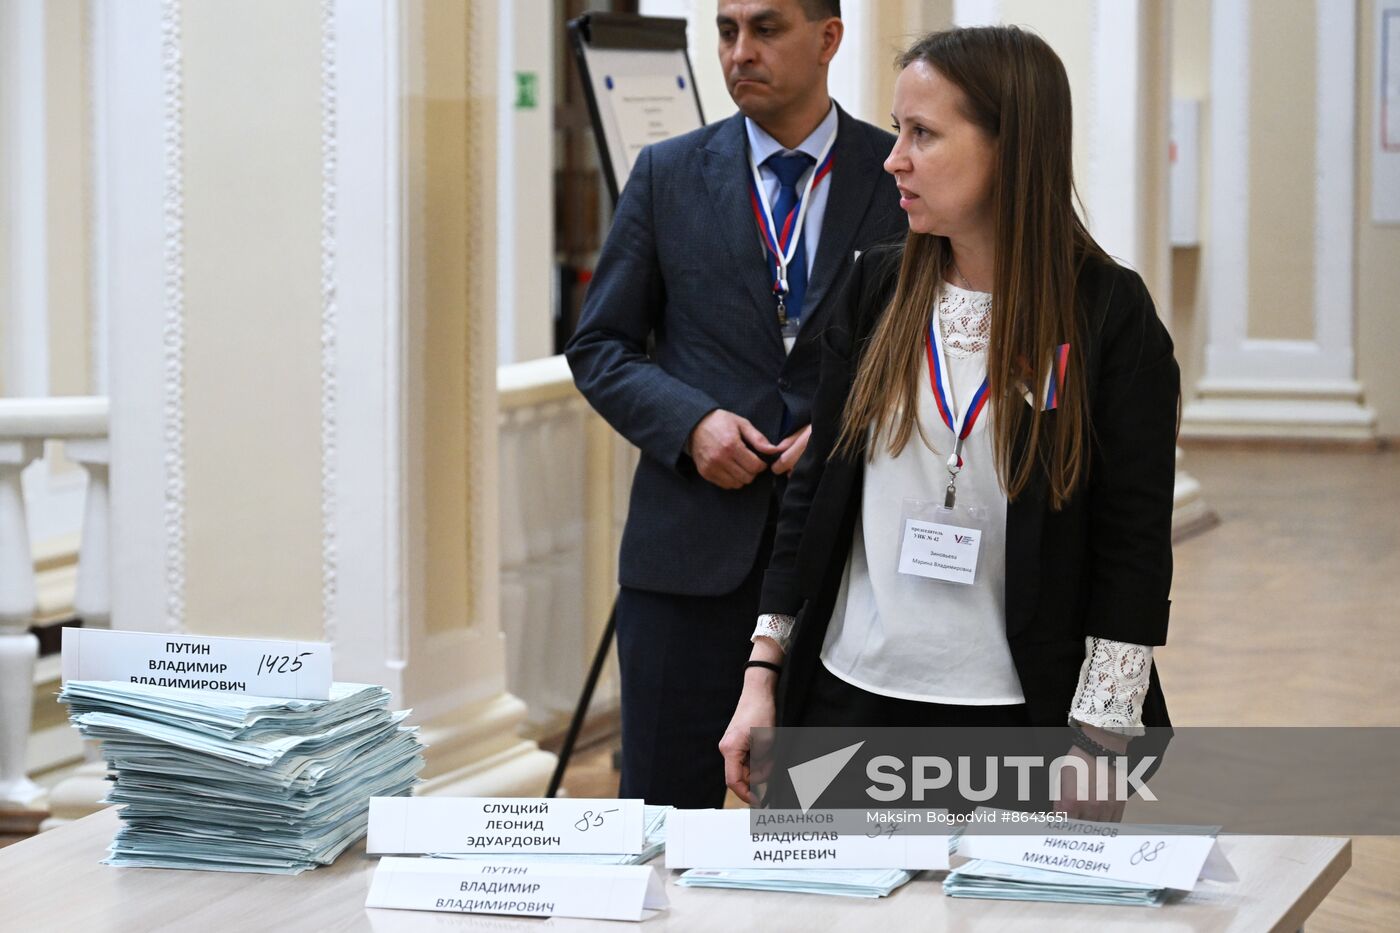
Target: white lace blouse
{"x":1114,"y":676}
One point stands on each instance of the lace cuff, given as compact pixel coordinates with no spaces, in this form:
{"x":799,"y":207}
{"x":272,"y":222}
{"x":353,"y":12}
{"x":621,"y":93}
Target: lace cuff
{"x":777,"y":627}
{"x":1112,"y":684}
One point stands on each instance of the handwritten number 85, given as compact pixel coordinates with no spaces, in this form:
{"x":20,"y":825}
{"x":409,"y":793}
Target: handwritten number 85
{"x":591,"y":819}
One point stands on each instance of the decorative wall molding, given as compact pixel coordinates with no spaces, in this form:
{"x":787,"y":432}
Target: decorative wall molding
{"x":1281,"y":388}
{"x":173,"y":280}
{"x":96,"y":118}
{"x":329,"y":322}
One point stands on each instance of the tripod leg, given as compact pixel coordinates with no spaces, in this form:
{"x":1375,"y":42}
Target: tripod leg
{"x":600,"y":657}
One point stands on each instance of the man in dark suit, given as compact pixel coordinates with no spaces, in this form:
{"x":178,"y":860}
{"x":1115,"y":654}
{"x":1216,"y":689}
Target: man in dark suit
{"x":699,"y":344}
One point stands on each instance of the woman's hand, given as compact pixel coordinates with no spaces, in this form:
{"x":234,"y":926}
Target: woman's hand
{"x":755,"y":711}
{"x":1091,"y":806}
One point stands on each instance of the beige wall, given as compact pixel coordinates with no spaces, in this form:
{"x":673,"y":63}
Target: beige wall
{"x":1282,"y":168}
{"x":69,"y":191}
{"x":252,"y":182}
{"x":1378,"y":257}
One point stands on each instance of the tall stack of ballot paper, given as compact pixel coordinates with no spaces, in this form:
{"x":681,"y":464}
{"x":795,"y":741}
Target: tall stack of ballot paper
{"x":231,"y":782}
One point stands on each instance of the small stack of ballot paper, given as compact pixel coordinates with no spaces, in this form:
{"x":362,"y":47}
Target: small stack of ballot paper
{"x":848,"y":882}
{"x":653,"y":844}
{"x":1006,"y":882}
{"x":1085,"y":862}
{"x":231,"y":782}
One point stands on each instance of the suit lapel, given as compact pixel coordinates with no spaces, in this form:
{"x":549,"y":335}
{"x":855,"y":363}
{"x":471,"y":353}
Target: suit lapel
{"x":727,"y":182}
{"x":853,"y":179}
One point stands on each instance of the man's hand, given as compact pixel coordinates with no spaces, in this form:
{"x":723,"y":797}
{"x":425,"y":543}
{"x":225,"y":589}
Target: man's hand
{"x":723,"y":447}
{"x":792,"y":447}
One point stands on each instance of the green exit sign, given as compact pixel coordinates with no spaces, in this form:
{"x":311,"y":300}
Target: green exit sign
{"x":527,"y":90}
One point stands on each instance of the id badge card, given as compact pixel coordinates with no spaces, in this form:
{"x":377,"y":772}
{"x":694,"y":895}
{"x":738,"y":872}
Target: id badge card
{"x":940,"y":543}
{"x":790,"y":327}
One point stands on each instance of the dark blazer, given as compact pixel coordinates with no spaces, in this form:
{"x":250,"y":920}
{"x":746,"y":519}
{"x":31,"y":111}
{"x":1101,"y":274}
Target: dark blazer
{"x":680,"y":320}
{"x":1100,"y":566}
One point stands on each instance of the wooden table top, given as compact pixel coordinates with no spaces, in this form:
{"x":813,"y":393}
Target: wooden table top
{"x":54,"y":881}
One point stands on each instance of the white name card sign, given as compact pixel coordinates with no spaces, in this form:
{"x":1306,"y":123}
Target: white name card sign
{"x":1120,"y":852}
{"x":255,"y":666}
{"x":724,"y":839}
{"x":420,"y":825}
{"x":599,"y":892}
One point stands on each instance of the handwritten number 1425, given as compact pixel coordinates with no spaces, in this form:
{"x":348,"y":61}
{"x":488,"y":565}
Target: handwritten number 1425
{"x":281,"y":663}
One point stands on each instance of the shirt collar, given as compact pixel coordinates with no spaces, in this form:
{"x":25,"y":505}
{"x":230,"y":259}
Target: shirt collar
{"x":762,"y":145}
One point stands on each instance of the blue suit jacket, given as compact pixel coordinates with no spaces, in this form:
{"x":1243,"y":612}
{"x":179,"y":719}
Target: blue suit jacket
{"x":680,"y":320}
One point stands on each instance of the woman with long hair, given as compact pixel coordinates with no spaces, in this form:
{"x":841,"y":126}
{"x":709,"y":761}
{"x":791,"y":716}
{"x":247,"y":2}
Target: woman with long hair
{"x":979,"y":533}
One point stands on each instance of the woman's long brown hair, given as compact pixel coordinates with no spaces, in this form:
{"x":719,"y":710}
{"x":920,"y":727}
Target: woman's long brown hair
{"x":1015,"y":88}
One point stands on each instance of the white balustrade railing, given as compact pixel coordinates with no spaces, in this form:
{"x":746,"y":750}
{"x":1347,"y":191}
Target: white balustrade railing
{"x":25,"y":425}
{"x":563,"y":496}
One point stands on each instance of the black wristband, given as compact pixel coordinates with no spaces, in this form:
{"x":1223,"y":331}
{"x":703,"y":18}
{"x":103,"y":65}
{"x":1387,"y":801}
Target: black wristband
{"x":1082,"y":739}
{"x":775,"y":668}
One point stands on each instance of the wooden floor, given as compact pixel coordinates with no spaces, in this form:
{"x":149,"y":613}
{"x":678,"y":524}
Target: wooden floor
{"x":1283,"y":614}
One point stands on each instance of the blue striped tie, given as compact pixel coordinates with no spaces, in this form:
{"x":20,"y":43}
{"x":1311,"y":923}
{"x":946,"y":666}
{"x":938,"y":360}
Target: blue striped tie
{"x":789,"y":169}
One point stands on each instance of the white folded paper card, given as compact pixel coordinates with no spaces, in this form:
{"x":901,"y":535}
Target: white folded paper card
{"x":417,"y":825}
{"x":1121,"y":852}
{"x":602,"y":892}
{"x":254,"y":666}
{"x":724,"y":839}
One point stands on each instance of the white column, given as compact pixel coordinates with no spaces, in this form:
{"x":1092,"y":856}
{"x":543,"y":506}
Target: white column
{"x":1125,"y":182}
{"x":19,"y":649}
{"x":525,"y":275}
{"x":1128,"y":95}
{"x":24,"y":351}
{"x":976,"y":12}
{"x":1272,"y":387}
{"x":23,"y":365}
{"x":851,"y":76}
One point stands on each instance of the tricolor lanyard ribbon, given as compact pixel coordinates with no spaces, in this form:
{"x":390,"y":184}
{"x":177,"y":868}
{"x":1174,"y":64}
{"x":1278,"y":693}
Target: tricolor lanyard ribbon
{"x":781,"y":245}
{"x":1054,"y":381}
{"x":961,"y":425}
